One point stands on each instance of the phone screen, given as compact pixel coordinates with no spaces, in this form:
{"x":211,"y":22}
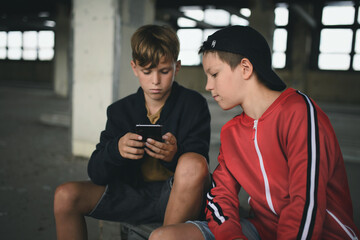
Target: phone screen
{"x":149,"y":131}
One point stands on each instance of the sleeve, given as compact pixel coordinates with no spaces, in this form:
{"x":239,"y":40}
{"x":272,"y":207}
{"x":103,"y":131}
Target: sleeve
{"x":106,"y":161}
{"x":222,"y":212}
{"x":310,"y":150}
{"x":193,"y":132}
{"x":198,"y":136}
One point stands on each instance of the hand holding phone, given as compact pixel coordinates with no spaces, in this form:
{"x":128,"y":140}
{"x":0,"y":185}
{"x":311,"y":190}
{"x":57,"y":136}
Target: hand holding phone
{"x":152,"y":131}
{"x":130,"y":147}
{"x":164,"y":150}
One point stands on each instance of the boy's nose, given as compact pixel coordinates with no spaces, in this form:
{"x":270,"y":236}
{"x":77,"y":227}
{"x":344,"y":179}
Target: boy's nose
{"x":209,"y":85}
{"x":156,"y":78}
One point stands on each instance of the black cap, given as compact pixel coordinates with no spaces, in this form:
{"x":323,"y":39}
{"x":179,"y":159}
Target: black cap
{"x":249,"y":43}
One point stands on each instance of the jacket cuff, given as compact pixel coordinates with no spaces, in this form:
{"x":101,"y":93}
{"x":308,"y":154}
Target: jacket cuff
{"x":114,"y":154}
{"x":229,"y":230}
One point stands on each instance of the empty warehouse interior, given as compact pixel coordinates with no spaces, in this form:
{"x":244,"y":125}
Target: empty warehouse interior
{"x":62,"y":62}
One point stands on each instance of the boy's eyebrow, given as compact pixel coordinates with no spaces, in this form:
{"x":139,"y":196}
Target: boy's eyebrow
{"x":147,"y":68}
{"x":208,"y":69}
{"x":165,"y":67}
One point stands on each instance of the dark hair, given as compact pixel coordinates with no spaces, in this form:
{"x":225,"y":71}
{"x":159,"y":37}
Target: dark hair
{"x":249,"y":43}
{"x":232,"y":59}
{"x":152,"y":42}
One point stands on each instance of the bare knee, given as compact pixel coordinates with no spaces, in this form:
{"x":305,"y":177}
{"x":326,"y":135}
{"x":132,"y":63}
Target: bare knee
{"x":66,"y":197}
{"x":192,"y":169}
{"x":160,"y":234}
{"x":176,"y":232}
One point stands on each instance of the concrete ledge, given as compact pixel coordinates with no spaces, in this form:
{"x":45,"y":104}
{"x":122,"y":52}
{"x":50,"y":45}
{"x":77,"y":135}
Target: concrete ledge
{"x":137,"y":232}
{"x":125,"y":231}
{"x":56,"y":119}
{"x":110,"y":230}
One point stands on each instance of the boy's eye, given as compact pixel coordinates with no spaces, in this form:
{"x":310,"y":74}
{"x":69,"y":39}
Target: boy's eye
{"x":214,"y":75}
{"x":146,"y":72}
{"x":165,"y":71}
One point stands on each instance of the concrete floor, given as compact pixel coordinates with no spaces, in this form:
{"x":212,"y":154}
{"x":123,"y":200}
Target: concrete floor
{"x":35,"y":158}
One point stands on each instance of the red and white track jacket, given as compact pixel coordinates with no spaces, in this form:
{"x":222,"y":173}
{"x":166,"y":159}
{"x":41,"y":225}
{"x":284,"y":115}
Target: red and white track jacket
{"x":290,"y":163}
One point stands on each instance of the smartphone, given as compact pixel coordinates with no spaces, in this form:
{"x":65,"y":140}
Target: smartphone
{"x":150,"y":131}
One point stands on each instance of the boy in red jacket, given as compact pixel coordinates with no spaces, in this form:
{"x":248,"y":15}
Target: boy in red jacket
{"x":282,"y":150}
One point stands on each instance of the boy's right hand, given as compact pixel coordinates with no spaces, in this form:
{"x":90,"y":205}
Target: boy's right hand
{"x":131,"y":147}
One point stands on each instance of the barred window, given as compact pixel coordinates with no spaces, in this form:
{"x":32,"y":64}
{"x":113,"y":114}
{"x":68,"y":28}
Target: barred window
{"x":27,"y":45}
{"x":339,"y":37}
{"x":191,"y":35}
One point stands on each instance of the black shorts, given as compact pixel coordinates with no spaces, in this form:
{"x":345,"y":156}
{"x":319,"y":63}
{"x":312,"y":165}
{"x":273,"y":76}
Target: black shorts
{"x":124,"y":203}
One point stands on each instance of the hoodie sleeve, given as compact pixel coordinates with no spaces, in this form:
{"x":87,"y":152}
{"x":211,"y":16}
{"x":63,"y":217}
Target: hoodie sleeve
{"x":222,"y":212}
{"x":106,"y":161}
{"x":190,"y":123}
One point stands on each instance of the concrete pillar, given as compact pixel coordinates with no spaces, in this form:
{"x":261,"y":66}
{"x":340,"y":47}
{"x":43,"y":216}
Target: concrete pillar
{"x":262,"y":19}
{"x":93,"y":67}
{"x":101,"y":62}
{"x":61,"y":73}
{"x":301,"y":48}
{"x":134,"y":13}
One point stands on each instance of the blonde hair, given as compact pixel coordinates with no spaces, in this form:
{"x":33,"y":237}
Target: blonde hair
{"x":152,"y":42}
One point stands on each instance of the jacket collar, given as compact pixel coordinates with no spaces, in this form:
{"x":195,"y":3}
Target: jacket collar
{"x":141,"y":113}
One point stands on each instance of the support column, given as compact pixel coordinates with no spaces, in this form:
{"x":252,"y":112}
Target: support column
{"x":101,"y":70}
{"x":134,"y":13}
{"x":93,"y":67}
{"x":262,"y":19}
{"x":301,"y":47}
{"x":61,"y":73}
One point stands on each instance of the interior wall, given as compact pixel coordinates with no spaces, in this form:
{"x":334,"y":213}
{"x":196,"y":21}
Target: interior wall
{"x":27,"y":71}
{"x":340,"y":87}
{"x":192,"y":77}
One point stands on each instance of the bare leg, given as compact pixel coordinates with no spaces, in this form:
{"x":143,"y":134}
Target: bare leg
{"x":191,"y":182}
{"x":182,"y":231}
{"x":72,"y":201}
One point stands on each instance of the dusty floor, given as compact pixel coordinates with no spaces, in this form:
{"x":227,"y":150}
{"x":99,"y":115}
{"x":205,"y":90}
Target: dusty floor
{"x":35,"y":157}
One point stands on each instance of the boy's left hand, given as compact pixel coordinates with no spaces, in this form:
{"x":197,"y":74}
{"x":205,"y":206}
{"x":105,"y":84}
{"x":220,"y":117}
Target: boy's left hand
{"x":162,"y":150}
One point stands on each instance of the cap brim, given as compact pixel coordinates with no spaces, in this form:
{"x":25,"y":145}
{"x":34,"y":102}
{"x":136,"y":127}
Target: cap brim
{"x":273,"y":81}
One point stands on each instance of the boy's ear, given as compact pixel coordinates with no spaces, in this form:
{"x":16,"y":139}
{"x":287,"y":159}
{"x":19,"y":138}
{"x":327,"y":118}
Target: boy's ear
{"x":246,"y":68}
{"x":177,"y":66}
{"x":133,"y":67}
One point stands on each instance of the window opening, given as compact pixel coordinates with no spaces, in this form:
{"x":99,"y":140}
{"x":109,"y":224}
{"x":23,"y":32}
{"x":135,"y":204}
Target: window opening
{"x":191,"y":35}
{"x":3,"y":44}
{"x":280,"y":37}
{"x":14,"y":45}
{"x":339,"y":30}
{"x":27,"y":45}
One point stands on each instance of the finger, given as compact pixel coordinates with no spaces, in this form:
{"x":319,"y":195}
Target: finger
{"x":154,"y":154}
{"x":134,"y":153}
{"x":134,"y":136}
{"x":155,"y":143}
{"x":153,"y":147}
{"x":131,"y":136}
{"x":170,"y":141}
{"x":169,"y":138}
{"x":135,"y":143}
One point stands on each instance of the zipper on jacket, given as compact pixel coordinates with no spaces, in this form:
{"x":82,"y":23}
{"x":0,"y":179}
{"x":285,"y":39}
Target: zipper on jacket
{"x":347,"y":229}
{"x":266,"y":181}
